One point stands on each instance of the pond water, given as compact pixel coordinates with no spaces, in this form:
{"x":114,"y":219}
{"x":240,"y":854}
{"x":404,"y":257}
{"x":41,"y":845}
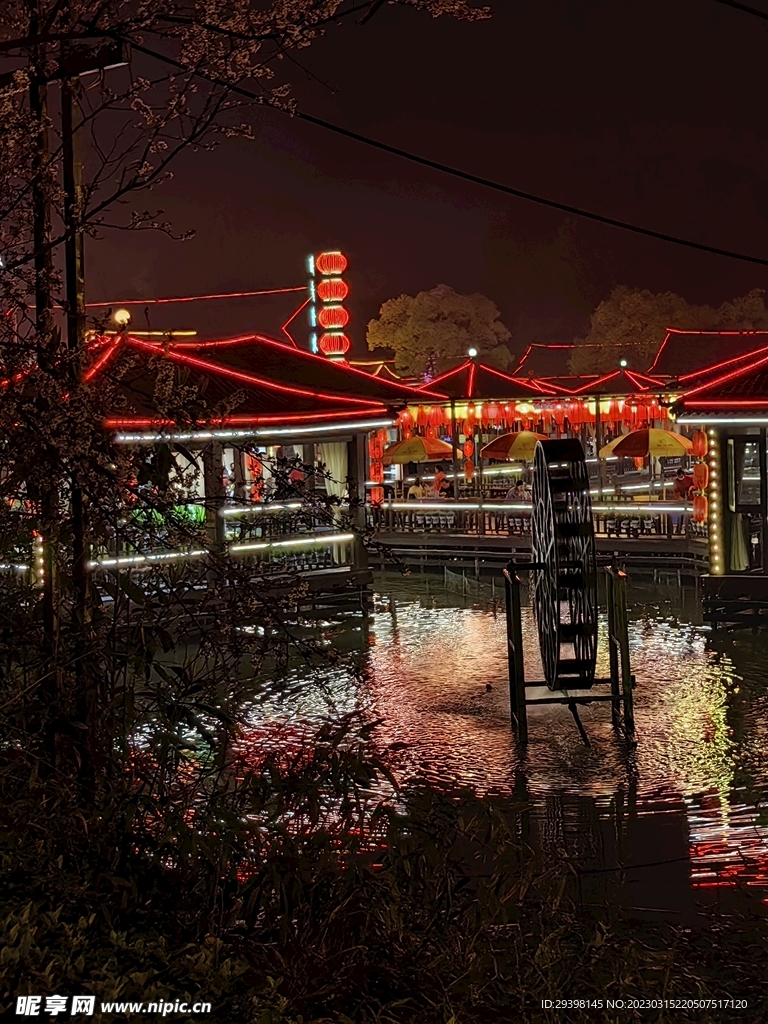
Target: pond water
{"x":683,"y":805}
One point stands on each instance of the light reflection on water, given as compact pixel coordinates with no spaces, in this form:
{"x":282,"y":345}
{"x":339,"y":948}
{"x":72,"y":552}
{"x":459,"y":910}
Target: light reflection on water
{"x":435,"y":673}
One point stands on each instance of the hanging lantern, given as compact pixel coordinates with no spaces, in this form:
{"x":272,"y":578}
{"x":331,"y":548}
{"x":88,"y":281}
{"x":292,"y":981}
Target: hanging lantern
{"x":405,"y":417}
{"x":468,"y":449}
{"x":639,"y":462}
{"x":436,"y":416}
{"x":376,"y":472}
{"x":700,"y":508}
{"x":332,"y":289}
{"x":334,"y":344}
{"x":471,"y":417}
{"x":377,"y":495}
{"x":491,"y":412}
{"x":333,"y":317}
{"x":469,"y":470}
{"x":421,"y":416}
{"x":700,"y":444}
{"x":430,"y":432}
{"x":330,"y":263}
{"x":558,"y":414}
{"x":407,"y":433}
{"x":375,"y":448}
{"x":700,"y":476}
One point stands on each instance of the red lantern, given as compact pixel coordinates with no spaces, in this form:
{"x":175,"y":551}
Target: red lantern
{"x":436,"y":417}
{"x":469,"y":470}
{"x":491,"y":412}
{"x":558,"y":414}
{"x":421,"y":416}
{"x":700,"y":444}
{"x":376,"y":472}
{"x":700,"y":508}
{"x":700,"y":476}
{"x":334,"y":344}
{"x":639,"y":462}
{"x":332,"y":289}
{"x":468,"y":449}
{"x":333,"y":317}
{"x":375,"y":448}
{"x":406,"y":418}
{"x":377,"y":495}
{"x":331,"y":263}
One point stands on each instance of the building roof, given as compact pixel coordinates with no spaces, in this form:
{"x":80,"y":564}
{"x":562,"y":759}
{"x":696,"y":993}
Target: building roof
{"x":283,"y":364}
{"x":683,"y":353}
{"x":476,"y":380}
{"x":616,"y":383}
{"x":741,"y":387}
{"x":260,"y":397}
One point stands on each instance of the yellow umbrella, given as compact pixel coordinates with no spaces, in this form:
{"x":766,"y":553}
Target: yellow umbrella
{"x":417,"y":449}
{"x":518,"y":446}
{"x":650,"y":441}
{"x":607,"y":449}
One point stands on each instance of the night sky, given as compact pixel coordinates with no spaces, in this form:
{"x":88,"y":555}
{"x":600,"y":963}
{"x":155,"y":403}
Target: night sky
{"x":650,"y":112}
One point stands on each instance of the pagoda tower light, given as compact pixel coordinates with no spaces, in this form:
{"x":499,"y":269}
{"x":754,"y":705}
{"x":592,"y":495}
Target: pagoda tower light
{"x":328,"y":316}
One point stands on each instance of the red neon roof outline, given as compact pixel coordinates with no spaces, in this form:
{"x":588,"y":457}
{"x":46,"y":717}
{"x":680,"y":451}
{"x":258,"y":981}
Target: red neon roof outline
{"x":726,"y":362}
{"x":634,"y":376}
{"x":561,"y":345}
{"x":263,"y":339}
{"x":679,"y":330}
{"x":530,"y":382}
{"x":728,"y":376}
{"x":311,"y":417}
{"x":169,"y":351}
{"x":471,"y":380}
{"x":291,"y":318}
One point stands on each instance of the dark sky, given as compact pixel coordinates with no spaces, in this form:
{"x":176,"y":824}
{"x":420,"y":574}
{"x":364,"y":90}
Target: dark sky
{"x":653,"y":112}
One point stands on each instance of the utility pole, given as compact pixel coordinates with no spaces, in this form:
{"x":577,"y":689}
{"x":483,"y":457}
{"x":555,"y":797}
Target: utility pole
{"x":46,"y":343}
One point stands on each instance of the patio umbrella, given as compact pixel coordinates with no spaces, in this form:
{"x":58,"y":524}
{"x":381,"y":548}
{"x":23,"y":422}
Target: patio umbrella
{"x":651,"y":441}
{"x":417,"y":449}
{"x":517,"y":446}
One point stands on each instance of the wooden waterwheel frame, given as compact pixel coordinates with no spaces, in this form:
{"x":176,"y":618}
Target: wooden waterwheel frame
{"x":565,"y":572}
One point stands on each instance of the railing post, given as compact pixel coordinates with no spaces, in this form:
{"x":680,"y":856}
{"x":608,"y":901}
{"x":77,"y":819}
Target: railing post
{"x":515,"y":652}
{"x":626,"y":672}
{"x":613,"y":653}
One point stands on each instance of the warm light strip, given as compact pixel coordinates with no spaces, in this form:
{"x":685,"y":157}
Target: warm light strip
{"x":433,"y":506}
{"x":20,"y":567}
{"x":222,"y":435}
{"x":160,"y":558}
{"x":704,"y":421}
{"x":244,"y":510}
{"x":299,"y":542}
{"x":714,"y":512}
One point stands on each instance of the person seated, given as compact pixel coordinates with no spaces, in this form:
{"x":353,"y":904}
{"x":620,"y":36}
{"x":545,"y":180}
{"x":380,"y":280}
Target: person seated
{"x":416,"y":491}
{"x":514,"y":493}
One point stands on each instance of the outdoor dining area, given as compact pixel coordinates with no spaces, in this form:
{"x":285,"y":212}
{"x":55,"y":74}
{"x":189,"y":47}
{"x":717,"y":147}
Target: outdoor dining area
{"x":641,"y":482}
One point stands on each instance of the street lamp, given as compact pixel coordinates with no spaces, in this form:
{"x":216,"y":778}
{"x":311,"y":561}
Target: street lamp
{"x":122,"y":317}
{"x":472,"y":353}
{"x":622,"y":363}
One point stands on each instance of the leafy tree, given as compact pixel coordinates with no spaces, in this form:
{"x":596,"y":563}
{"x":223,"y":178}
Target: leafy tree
{"x":435,"y":329}
{"x":630,"y":324}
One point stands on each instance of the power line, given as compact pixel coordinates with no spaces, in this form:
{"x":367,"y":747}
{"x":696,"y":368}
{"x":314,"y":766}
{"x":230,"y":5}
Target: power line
{"x":199,"y":298}
{"x":744,"y":7}
{"x":474,"y":178}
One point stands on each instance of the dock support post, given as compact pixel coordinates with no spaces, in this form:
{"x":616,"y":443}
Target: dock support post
{"x":517,"y":702}
{"x":618,"y":645}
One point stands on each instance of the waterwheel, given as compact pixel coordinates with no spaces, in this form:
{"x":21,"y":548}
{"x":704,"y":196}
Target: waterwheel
{"x":565,"y":576}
